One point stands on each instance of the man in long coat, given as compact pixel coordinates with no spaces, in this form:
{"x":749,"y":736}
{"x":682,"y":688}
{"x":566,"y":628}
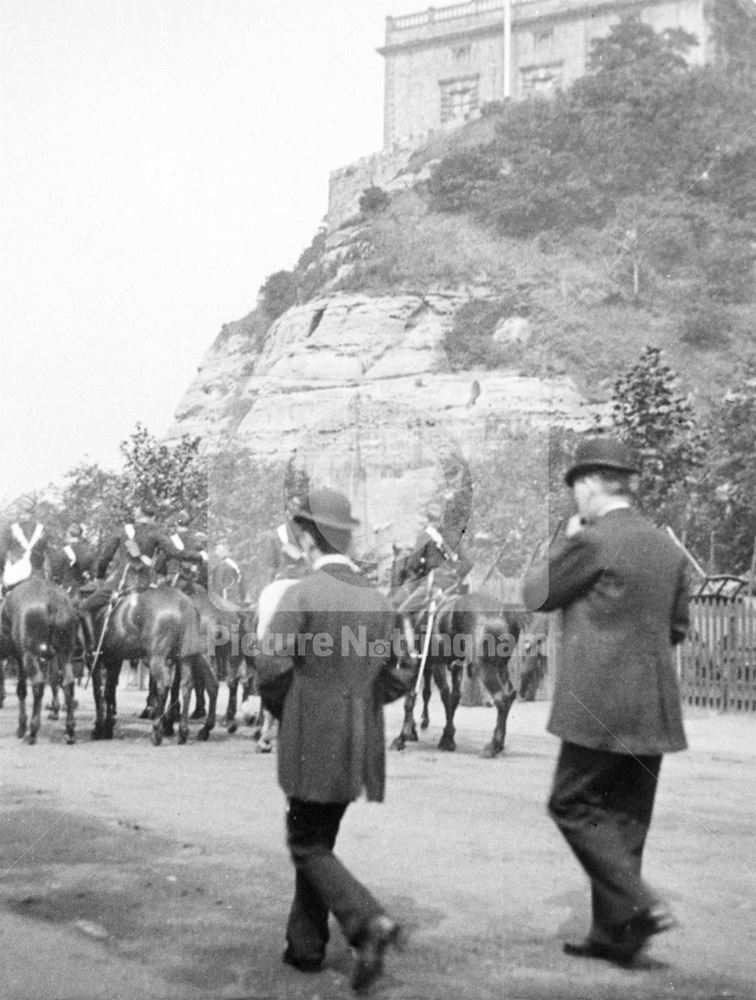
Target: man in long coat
{"x":621,"y":584}
{"x":332,"y":634}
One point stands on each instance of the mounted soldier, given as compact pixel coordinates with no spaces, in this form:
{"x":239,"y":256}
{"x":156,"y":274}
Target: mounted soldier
{"x":73,"y":565}
{"x":128,"y":561}
{"x":281,"y":557}
{"x":24,"y":544}
{"x":185,"y":569}
{"x":226,"y":580}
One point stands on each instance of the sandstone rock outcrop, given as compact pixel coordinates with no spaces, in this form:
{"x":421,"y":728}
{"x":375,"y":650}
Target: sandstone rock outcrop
{"x":360,"y":389}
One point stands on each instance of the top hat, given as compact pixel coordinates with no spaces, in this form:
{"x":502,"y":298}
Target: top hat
{"x":327,"y":509}
{"x":600,"y":453}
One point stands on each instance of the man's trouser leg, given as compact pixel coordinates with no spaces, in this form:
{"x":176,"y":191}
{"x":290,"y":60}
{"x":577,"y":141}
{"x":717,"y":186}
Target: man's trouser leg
{"x":323,"y":884}
{"x":602,"y":803}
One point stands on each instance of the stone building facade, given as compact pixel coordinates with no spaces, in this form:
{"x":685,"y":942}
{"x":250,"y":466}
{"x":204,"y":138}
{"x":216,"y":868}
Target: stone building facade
{"x":443,"y":64}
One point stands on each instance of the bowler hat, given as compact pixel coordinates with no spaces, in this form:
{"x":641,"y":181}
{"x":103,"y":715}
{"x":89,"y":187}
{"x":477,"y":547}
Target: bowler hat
{"x":600,"y":453}
{"x":325,"y":508}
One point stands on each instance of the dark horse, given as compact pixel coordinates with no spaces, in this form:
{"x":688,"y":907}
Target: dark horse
{"x":161,"y":625}
{"x":38,"y":631}
{"x":468,"y":631}
{"x":225,"y":631}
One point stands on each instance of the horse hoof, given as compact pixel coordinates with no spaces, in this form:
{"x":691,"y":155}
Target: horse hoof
{"x":203,"y":734}
{"x":490,"y":750}
{"x":232,"y":727}
{"x":447,"y":743}
{"x":156,"y":737}
{"x":182,"y":736}
{"x":32,"y":739}
{"x":412,"y":736}
{"x":146,"y":713}
{"x":70,"y":739}
{"x":96,"y":733}
{"x":424,"y":722}
{"x":21,"y":732}
{"x":398,"y":743}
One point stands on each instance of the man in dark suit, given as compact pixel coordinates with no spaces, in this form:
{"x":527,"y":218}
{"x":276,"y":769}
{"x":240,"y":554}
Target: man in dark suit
{"x":332,"y":633}
{"x":622,"y":587}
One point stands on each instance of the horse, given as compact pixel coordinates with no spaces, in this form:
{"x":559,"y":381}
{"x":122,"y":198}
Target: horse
{"x":454,"y":631}
{"x":38,"y":631}
{"x":225,"y":629}
{"x":161,"y":625}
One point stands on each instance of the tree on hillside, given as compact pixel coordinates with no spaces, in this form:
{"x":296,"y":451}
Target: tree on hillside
{"x":732,"y":475}
{"x":658,"y":423}
{"x":173,"y":477}
{"x":92,"y":496}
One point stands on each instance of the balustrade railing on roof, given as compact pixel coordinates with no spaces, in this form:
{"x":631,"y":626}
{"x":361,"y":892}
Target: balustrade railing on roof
{"x":434,"y":14}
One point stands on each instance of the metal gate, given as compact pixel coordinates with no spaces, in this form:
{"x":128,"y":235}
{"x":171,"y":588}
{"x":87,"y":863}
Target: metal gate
{"x":717,"y":662}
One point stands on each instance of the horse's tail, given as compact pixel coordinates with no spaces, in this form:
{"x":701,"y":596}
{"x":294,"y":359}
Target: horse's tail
{"x":35,"y":632}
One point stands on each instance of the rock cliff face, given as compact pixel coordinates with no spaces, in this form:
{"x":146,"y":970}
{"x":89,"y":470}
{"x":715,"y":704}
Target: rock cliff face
{"x":360,"y":390}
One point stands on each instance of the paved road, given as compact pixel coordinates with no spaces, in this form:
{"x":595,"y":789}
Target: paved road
{"x":134,"y":872}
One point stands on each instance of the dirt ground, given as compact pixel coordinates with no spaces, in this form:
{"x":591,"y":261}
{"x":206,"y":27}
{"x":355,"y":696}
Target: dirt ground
{"x":129,"y":871}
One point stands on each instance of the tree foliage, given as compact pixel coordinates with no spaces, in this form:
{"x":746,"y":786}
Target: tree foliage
{"x":658,"y":423}
{"x":732,"y":475}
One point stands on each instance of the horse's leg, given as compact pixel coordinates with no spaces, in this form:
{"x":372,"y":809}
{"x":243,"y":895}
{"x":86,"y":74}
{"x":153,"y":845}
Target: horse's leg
{"x":449,"y":698}
{"x":211,"y":688}
{"x":495,"y":677}
{"x":54,"y":707}
{"x":172,"y":713}
{"x":408,"y":732}
{"x":161,"y":674}
{"x":21,"y":694}
{"x":68,"y":683}
{"x":2,"y":681}
{"x":37,"y":679}
{"x":200,"y":711}
{"x":112,"y":668}
{"x":234,"y":667}
{"x":97,"y":677}
{"x":425,"y":718}
{"x":267,"y":733}
{"x":185,"y":674}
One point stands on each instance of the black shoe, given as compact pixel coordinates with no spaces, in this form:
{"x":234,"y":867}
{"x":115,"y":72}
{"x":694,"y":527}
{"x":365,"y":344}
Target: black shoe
{"x":615,"y":953}
{"x":380,"y":932}
{"x":303,"y":964}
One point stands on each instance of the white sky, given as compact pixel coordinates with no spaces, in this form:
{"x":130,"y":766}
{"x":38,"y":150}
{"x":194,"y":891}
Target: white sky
{"x":158,"y":159}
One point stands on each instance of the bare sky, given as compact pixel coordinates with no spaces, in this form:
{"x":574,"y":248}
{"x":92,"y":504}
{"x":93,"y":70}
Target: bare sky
{"x":158,"y":159}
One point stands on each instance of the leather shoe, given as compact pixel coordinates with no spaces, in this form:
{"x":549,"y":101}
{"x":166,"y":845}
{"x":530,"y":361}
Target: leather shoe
{"x":303,"y":964}
{"x":380,"y":932}
{"x":615,"y":953}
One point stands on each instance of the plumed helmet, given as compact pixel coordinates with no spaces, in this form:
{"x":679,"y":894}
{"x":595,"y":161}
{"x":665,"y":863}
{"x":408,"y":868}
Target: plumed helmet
{"x":601,"y":452}
{"x":326,"y":508}
{"x":182,"y":518}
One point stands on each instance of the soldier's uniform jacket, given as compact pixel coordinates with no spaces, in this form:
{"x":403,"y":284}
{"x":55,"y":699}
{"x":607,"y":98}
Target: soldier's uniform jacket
{"x":226,"y":580}
{"x":281,"y":556}
{"x":137,"y":547}
{"x":73,"y":565}
{"x":191,"y":564}
{"x":24,"y":545}
{"x":432,"y":554}
{"x":622,"y":586}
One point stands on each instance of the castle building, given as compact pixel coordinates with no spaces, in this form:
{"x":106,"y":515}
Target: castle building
{"x":443,"y":64}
